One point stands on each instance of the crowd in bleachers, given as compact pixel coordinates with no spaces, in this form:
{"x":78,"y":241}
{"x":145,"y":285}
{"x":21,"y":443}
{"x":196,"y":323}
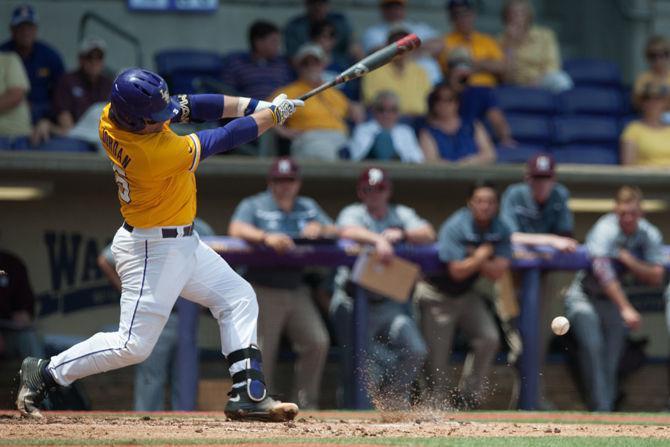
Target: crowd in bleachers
{"x":514,"y":95}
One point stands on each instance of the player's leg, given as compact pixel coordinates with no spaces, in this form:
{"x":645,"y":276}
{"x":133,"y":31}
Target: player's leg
{"x":188,"y":356}
{"x":614,"y":338}
{"x":480,"y":328}
{"x":232,"y":302}
{"x":586,"y":327}
{"x":152,"y":272}
{"x":439,"y":317}
{"x":310,"y":340}
{"x":274,"y":306}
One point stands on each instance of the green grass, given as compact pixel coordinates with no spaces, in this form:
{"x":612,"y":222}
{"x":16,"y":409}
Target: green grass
{"x":545,"y":441}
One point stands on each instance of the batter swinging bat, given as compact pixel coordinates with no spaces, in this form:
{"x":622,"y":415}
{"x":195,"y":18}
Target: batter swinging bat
{"x":369,"y":63}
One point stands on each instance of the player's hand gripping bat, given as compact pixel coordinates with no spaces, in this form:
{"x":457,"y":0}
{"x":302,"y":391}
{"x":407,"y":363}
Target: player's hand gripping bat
{"x":369,"y":63}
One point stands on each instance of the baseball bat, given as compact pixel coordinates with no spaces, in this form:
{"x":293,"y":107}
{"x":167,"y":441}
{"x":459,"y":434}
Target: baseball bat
{"x":369,"y":63}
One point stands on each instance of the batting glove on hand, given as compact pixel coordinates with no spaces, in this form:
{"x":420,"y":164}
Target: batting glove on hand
{"x":282,"y":107}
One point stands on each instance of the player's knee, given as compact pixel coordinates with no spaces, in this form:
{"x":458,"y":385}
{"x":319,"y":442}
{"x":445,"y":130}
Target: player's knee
{"x":487,"y":342}
{"x":136,"y":352}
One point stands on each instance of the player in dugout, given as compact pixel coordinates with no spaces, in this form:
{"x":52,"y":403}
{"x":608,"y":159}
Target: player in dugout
{"x":158,"y":255}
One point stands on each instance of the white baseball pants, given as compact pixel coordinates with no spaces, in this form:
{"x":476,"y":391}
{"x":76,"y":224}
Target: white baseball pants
{"x":154,"y":271}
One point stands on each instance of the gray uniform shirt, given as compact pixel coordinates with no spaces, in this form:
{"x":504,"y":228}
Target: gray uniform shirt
{"x":458,"y":237}
{"x":522,"y":214}
{"x":398,"y":216}
{"x":603,"y":243}
{"x":262,"y":211}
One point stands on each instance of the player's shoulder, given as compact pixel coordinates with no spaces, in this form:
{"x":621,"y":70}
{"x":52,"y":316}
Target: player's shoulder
{"x":307,"y":202}
{"x":515,"y":190}
{"x":561,"y":192}
{"x":649,"y":229}
{"x":47,"y":50}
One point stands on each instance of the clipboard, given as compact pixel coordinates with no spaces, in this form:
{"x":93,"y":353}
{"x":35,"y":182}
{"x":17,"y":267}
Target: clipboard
{"x":394,"y":278}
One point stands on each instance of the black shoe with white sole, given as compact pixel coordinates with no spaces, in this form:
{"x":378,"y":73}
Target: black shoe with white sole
{"x":242,"y":407}
{"x":33,"y":387}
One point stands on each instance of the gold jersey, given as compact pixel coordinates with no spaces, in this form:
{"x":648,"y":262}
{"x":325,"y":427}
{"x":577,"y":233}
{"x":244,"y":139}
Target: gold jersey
{"x":154,"y":173}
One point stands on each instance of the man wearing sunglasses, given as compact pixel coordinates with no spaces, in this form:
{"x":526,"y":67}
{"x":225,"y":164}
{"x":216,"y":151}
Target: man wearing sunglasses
{"x":273,"y":219}
{"x":396,"y":350}
{"x":657,"y":53}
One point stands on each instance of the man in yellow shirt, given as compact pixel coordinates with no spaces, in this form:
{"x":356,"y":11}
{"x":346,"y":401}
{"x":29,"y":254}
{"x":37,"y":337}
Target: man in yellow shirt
{"x":487,"y":57}
{"x":319,"y":129}
{"x":158,"y":255}
{"x":404,"y":77}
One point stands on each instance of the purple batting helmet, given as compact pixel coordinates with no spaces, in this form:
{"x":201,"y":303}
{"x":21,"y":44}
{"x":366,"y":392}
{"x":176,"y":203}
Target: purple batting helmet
{"x":139,"y":96}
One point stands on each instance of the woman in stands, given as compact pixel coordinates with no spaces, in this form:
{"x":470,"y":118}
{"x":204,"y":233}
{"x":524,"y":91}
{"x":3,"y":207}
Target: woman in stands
{"x":447,"y":138}
{"x":531,"y":52}
{"x":657,"y":53}
{"x":644,"y":142}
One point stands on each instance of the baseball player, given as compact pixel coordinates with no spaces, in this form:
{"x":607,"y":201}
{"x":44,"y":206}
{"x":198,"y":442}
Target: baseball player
{"x":158,"y":255}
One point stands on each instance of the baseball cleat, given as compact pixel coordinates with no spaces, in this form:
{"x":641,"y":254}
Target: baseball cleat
{"x":241,"y":407}
{"x":32,"y":389}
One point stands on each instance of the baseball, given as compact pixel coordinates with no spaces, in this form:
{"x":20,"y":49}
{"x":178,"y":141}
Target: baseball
{"x":560,"y":325}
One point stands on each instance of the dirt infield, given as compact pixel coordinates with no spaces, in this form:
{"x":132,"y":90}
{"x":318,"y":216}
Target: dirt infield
{"x":134,"y":428}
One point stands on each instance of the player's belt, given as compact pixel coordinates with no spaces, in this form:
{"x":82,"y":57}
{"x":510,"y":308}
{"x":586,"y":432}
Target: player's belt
{"x":166,"y":232}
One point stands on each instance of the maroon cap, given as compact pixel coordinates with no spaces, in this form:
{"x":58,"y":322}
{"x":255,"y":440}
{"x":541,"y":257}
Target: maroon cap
{"x":374,"y":177}
{"x":284,"y":167}
{"x":541,"y":165}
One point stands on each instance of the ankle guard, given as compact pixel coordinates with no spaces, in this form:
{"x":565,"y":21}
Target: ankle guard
{"x":252,"y":376}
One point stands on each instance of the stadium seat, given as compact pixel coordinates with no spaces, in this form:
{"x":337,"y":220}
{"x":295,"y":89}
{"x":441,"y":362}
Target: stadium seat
{"x":182,"y":67}
{"x":586,"y":130}
{"x":592,"y":100}
{"x":65,"y":144}
{"x":593,"y":72}
{"x":586,"y":154}
{"x":530,"y":129}
{"x":527,"y":100}
{"x":519,"y":154}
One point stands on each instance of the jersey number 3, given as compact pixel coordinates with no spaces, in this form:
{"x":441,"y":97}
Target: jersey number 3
{"x":122,"y":183}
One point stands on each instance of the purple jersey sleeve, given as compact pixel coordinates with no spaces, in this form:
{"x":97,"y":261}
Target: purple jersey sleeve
{"x":199,"y":108}
{"x":233,"y":134}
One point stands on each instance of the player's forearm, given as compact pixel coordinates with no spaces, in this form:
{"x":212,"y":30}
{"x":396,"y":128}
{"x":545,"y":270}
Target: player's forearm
{"x":616,"y":294}
{"x":493,"y":269}
{"x":248,"y":232}
{"x":461,"y":270}
{"x":235,"y":133}
{"x":651,"y":274}
{"x":360,"y":235}
{"x":421,"y":235}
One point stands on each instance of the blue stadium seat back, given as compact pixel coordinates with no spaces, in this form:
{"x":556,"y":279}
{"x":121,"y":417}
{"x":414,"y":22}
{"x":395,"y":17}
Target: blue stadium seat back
{"x":586,"y":154}
{"x":627,"y":119}
{"x":593,"y":72}
{"x":180,"y":67}
{"x":65,"y":144}
{"x":526,"y":99}
{"x":519,"y":154}
{"x":530,"y":129}
{"x":586,"y":129}
{"x":592,"y":100}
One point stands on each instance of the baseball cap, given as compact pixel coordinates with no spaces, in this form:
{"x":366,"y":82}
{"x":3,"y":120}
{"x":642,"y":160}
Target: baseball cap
{"x":541,"y":165}
{"x":374,"y":177}
{"x":310,"y":49}
{"x":453,"y":4}
{"x":23,"y":14}
{"x":284,"y":168}
{"x":91,"y":43}
{"x":391,"y":2}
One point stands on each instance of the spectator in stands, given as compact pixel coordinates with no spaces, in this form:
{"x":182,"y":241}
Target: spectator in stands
{"x":532,"y":55}
{"x":80,"y":89}
{"x":176,"y":350}
{"x":644,"y":142}
{"x":657,"y":53}
{"x":448,"y":138}
{"x":625,"y":250}
{"x":275,"y":218}
{"x":15,"y":127}
{"x":324,"y":34}
{"x":402,"y":76}
{"x":259,"y":72}
{"x":43,"y":64}
{"x":18,"y":337}
{"x":383,"y":137}
{"x":396,"y":351}
{"x":474,"y":244}
{"x":487,"y":57}
{"x":536,"y":212}
{"x":318,"y":130}
{"x":394,"y":15}
{"x":296,"y":31}
{"x":476,"y":103}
